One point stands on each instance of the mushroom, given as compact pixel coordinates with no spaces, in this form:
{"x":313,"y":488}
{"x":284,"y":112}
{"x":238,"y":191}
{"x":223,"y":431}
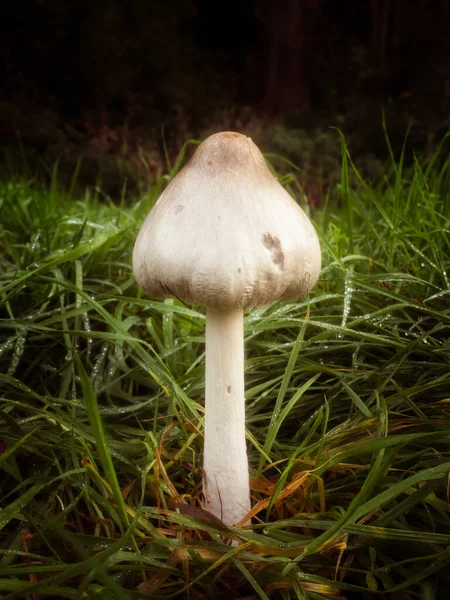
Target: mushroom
{"x":227,"y":236}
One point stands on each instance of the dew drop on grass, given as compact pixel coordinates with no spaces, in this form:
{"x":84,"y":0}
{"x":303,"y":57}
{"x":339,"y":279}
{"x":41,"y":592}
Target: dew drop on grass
{"x":348,"y":293}
{"x":347,"y":304}
{"x":253,"y":317}
{"x":110,"y":371}
{"x":35,"y":242}
{"x":87,"y":327}
{"x":355,"y":358}
{"x":6,"y":346}
{"x":19,"y":347}
{"x":98,"y":364}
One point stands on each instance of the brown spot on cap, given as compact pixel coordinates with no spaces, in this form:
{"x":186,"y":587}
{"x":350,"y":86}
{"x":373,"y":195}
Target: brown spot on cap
{"x":273,"y":244}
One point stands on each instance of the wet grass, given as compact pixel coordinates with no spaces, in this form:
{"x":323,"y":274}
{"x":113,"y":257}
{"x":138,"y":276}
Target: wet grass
{"x":348,"y":408}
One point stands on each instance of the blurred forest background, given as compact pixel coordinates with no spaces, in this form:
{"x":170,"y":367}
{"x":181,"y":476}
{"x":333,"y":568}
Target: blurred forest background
{"x":122,"y":84}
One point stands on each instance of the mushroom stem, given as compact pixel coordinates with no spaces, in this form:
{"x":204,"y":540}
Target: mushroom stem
{"x":226,"y":485}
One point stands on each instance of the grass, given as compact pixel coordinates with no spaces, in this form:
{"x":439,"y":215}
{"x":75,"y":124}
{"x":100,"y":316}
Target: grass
{"x":348,"y":408}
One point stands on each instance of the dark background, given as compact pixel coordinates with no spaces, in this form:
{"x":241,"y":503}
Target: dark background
{"x":115,"y":81}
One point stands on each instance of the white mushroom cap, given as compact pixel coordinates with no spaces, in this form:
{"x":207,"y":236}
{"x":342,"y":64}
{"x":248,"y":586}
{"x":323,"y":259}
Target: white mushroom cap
{"x":225,"y":234}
